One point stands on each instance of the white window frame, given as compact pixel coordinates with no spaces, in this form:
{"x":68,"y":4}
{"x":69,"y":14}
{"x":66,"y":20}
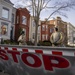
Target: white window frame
{"x":33,"y":36}
{"x":46,"y":26}
{"x":43,"y":27}
{"x":33,"y":23}
{"x":46,"y":36}
{"x":51,"y":30}
{"x":13,"y":18}
{"x":24,"y":20}
{"x":5,"y":13}
{"x":43,"y":37}
{"x":39,"y":28}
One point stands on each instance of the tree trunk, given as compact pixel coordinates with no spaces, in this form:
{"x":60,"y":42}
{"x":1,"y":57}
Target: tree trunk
{"x":36,"y":33}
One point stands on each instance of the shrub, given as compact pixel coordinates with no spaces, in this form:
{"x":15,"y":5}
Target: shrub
{"x":29,"y":43}
{"x":10,"y":42}
{"x":6,"y":41}
{"x":44,"y":43}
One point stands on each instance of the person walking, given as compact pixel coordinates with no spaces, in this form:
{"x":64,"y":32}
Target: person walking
{"x":22,"y":39}
{"x":57,"y":38}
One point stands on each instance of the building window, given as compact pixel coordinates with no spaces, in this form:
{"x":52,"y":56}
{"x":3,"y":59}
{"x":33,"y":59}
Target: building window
{"x":33,"y":23}
{"x":39,"y":29}
{"x":65,"y":26}
{"x":4,"y":28}
{"x":46,"y":27}
{"x":58,"y":22}
{"x":51,"y":30}
{"x":17,"y":19}
{"x":33,"y":35}
{"x":43,"y":27}
{"x":24,"y":20}
{"x":38,"y":37}
{"x":12,"y":18}
{"x":5,"y":13}
{"x":54,"y":22}
{"x":43,"y":37}
{"x":46,"y":36}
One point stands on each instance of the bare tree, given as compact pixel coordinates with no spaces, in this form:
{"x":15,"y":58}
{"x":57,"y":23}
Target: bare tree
{"x":54,"y":6}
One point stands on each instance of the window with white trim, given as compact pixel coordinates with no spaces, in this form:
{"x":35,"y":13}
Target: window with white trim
{"x":24,"y":20}
{"x":33,"y":23}
{"x":39,"y":28}
{"x":33,"y":36}
{"x":46,"y":36}
{"x":51,"y":30}
{"x":43,"y":37}
{"x":5,"y":13}
{"x":12,"y":18}
{"x":43,"y":27}
{"x":46,"y":27}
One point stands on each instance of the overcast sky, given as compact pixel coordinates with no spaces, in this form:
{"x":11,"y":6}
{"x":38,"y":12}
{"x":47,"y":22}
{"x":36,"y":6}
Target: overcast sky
{"x":71,"y":14}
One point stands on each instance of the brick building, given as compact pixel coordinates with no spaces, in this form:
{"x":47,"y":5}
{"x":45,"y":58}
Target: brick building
{"x":47,"y":28}
{"x":62,"y":25}
{"x":22,"y":22}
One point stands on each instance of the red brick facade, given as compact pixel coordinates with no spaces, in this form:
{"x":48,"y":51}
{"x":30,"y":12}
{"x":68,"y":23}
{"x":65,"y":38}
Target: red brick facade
{"x":20,"y":13}
{"x":46,"y":30}
{"x":46,"y":33}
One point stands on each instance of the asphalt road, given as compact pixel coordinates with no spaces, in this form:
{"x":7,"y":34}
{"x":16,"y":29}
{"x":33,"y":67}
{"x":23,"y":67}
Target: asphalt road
{"x":1,"y":73}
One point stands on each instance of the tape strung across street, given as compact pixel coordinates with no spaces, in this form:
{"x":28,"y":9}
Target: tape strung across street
{"x":37,"y":60}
